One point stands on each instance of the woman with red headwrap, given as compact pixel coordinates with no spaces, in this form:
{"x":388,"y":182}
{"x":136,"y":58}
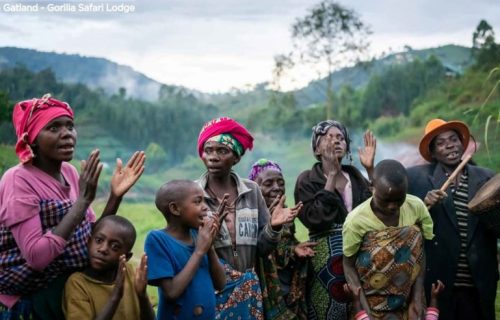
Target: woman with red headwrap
{"x":246,"y":228}
{"x":45,"y":214}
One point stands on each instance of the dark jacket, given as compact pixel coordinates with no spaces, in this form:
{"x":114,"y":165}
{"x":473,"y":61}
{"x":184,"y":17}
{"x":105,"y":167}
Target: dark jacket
{"x":442,"y":252}
{"x":322,"y":209}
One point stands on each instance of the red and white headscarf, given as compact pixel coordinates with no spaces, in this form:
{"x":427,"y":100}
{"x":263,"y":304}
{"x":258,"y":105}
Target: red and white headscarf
{"x":30,"y":116}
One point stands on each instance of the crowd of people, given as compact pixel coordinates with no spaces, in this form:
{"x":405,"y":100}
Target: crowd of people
{"x":389,"y":245}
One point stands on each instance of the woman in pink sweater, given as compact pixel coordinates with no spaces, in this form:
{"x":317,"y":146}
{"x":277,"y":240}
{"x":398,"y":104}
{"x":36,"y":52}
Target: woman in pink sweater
{"x":45,"y":214}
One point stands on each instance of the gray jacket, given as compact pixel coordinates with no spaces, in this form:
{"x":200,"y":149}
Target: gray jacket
{"x":254,"y":234}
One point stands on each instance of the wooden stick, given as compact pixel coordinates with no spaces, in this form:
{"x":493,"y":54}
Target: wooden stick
{"x":456,"y":172}
{"x":446,"y":184}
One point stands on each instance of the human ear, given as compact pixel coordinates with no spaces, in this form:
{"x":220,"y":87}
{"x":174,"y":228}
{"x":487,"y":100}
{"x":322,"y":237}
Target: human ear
{"x":236,"y":160}
{"x":174,"y":209}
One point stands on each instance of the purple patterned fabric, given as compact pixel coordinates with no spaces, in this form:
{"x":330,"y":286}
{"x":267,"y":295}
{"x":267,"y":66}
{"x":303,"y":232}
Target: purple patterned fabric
{"x":262,"y":165}
{"x":18,"y":278}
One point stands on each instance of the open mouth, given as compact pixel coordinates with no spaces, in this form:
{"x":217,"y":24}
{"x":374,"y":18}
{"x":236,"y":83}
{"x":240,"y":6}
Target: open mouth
{"x":452,"y":155}
{"x":67,"y":147}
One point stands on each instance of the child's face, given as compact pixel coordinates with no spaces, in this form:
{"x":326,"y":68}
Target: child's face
{"x":388,"y":199}
{"x":192,"y":208}
{"x":57,"y":140}
{"x":106,"y":246}
{"x":218,"y":158}
{"x":271,"y":184}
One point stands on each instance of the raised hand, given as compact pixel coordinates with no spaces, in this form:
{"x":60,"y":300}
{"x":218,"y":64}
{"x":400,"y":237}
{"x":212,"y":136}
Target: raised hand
{"x":141,"y":277}
{"x":89,"y":177}
{"x":221,"y":212}
{"x":367,"y":153}
{"x":125,"y":177}
{"x":433,"y":197}
{"x":282,"y":215}
{"x":305,"y":249}
{"x":330,"y":161}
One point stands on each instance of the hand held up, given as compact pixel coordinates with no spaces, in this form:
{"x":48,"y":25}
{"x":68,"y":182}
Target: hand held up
{"x":125,"y":177}
{"x":89,"y":177}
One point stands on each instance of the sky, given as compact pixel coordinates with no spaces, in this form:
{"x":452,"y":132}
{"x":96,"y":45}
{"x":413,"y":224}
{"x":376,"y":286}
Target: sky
{"x":216,"y":45}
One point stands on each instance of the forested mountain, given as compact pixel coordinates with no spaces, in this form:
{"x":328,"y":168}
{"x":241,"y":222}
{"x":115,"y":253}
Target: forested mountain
{"x":117,"y":124}
{"x":454,"y":58}
{"x":93,"y":72}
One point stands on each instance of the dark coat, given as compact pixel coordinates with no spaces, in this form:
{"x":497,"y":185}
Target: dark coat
{"x":442,"y":252}
{"x":322,"y":209}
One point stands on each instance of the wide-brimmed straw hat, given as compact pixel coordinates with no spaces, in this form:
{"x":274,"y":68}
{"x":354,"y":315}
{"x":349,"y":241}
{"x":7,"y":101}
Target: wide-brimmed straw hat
{"x":438,"y":126}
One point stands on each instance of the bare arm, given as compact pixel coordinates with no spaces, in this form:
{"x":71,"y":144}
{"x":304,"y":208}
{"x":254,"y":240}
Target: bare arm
{"x":353,"y":280}
{"x":416,"y":308}
{"x":174,"y":287}
{"x":140,"y":283}
{"x":216,"y":270}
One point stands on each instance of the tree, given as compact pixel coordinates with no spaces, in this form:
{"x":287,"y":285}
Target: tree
{"x":485,"y":49}
{"x":329,"y":36}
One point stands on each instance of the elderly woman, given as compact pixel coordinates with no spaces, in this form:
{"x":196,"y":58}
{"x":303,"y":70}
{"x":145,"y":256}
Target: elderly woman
{"x":247,"y":230}
{"x":329,"y":191}
{"x":45,"y":214}
{"x":286,"y":269}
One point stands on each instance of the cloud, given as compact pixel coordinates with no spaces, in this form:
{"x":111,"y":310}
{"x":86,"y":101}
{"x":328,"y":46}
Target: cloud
{"x":216,"y":44}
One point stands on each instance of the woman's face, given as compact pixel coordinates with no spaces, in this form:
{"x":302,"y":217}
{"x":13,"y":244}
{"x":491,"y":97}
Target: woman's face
{"x":218,"y":158}
{"x":56,"y":141}
{"x":271,"y":184}
{"x":332,"y":142}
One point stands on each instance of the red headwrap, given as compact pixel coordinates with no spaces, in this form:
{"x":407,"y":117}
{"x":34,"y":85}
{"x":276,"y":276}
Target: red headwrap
{"x":30,"y":116}
{"x":225,"y":125}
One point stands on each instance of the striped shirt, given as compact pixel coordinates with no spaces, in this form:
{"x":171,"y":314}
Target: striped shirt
{"x":463,"y":277}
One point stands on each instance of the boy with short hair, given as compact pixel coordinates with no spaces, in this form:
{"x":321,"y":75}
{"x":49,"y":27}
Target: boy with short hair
{"x":383,"y":246}
{"x":108,"y":288}
{"x":183,"y":262}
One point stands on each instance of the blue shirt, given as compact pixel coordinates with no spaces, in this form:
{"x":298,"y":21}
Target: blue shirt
{"x":167,"y":257}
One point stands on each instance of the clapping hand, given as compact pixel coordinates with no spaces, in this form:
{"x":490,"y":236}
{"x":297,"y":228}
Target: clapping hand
{"x":141,"y":277}
{"x":206,"y":235}
{"x":89,"y":177}
{"x":125,"y":177}
{"x":282,"y":215}
{"x":117,"y":292}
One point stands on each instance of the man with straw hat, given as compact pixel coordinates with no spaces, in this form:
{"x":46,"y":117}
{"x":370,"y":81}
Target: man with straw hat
{"x":463,"y":253}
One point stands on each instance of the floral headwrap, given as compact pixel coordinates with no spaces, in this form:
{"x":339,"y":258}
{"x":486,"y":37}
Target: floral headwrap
{"x":227,"y":131}
{"x":30,"y":116}
{"x":322,"y":128}
{"x":262,"y":165}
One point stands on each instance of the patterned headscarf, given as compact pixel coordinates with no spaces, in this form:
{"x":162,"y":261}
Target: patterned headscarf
{"x":262,"y":165}
{"x":322,"y":128}
{"x":230,"y":132}
{"x":229,"y":141}
{"x":30,"y":116}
